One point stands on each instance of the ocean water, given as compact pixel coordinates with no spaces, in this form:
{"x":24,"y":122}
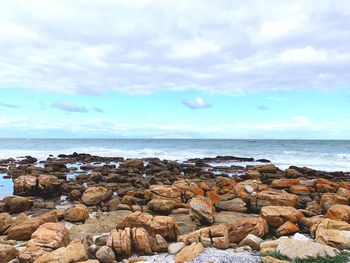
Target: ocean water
{"x":328,"y":155}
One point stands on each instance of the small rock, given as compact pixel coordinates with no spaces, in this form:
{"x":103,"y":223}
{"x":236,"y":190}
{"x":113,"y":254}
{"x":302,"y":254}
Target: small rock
{"x":175,"y":248}
{"x":189,"y":253}
{"x":105,"y":255}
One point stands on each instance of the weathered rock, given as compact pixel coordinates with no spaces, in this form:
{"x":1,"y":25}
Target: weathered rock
{"x":292,"y":173}
{"x":133,"y":163}
{"x":162,"y":225}
{"x":7,"y":253}
{"x":168,"y":192}
{"x":252,"y":174}
{"x":278,"y":215}
{"x":273,"y":198}
{"x":202,"y":209}
{"x":286,"y":229}
{"x":246,"y":188}
{"x":120,"y":241}
{"x":330,"y":199}
{"x":294,"y":248}
{"x":50,"y":236}
{"x":189,"y":253}
{"x":95,"y":195}
{"x":48,"y":185}
{"x":76,"y":213}
{"x":75,"y":252}
{"x":141,"y":241}
{"x":269,"y":259}
{"x":282,"y":183}
{"x":25,"y":185}
{"x":158,"y":243}
{"x":175,"y":248}
{"x":5,"y":221}
{"x":266,"y":168}
{"x":235,"y":205}
{"x":113,"y":204}
{"x":18,"y":204}
{"x":238,"y":230}
{"x":299,"y":189}
{"x":25,"y":229}
{"x":105,"y":255}
{"x":162,"y":206}
{"x":339,"y":212}
{"x":269,"y":246}
{"x":251,"y":240}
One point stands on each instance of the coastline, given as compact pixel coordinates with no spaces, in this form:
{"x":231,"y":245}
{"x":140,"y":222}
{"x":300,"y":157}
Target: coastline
{"x":88,"y":196}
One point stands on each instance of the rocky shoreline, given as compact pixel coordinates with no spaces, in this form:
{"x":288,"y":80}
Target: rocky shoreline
{"x":84,"y":208}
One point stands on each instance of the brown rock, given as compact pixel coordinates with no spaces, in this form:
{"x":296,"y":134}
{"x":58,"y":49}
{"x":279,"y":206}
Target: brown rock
{"x":330,"y":199}
{"x":235,"y":205}
{"x":50,"y":236}
{"x":202,"y":209}
{"x":282,"y":183}
{"x":273,"y":198}
{"x":339,"y":212}
{"x":120,"y":241}
{"x":162,"y":206}
{"x":269,"y":259}
{"x":95,"y":195}
{"x":251,"y":241}
{"x":5,"y":221}
{"x":189,"y":253}
{"x":7,"y":253}
{"x":141,"y":241}
{"x":76,"y":213}
{"x":252,"y":174}
{"x":292,"y":173}
{"x":299,"y":189}
{"x":168,"y":192}
{"x":278,"y":215}
{"x":286,"y":229}
{"x":113,"y":204}
{"x":24,"y":185}
{"x":18,"y":204}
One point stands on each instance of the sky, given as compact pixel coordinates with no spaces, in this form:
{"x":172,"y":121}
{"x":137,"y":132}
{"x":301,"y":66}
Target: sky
{"x":175,"y":69}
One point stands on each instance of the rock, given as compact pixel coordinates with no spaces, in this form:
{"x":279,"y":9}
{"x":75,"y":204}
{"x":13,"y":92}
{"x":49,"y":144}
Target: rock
{"x":332,"y":232}
{"x":282,"y":183}
{"x":189,"y":253}
{"x":269,"y":259}
{"x":339,"y":212}
{"x":133,"y":163}
{"x":120,"y":241}
{"x":168,"y":192}
{"x":25,"y":185}
{"x":74,"y":195}
{"x":268,"y":168}
{"x":141,"y":241}
{"x":202,"y":209}
{"x":95,"y":195}
{"x":105,"y":255}
{"x":75,"y":252}
{"x":304,"y":248}
{"x":7,"y":253}
{"x":246,"y":188}
{"x":175,"y":248}
{"x":162,"y":225}
{"x":251,"y":240}
{"x":252,"y":174}
{"x":273,"y":198}
{"x":50,"y":236}
{"x":238,"y":230}
{"x":299,"y":190}
{"x":235,"y":205}
{"x":158,"y":243}
{"x":18,"y":204}
{"x":330,"y":199}
{"x":5,"y":221}
{"x":162,"y":206}
{"x":278,"y":215}
{"x":269,"y":246}
{"x":292,"y":173}
{"x":48,"y":185}
{"x":286,"y":229}
{"x":113,"y":204}
{"x":25,"y":229}
{"x":76,"y":213}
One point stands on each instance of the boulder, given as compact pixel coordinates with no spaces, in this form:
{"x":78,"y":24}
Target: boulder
{"x":7,"y":253}
{"x":158,"y":243}
{"x":238,"y":230}
{"x":168,"y":192}
{"x":162,"y":225}
{"x":113,"y":204}
{"x":278,"y":215}
{"x":235,"y":205}
{"x":339,"y":212}
{"x":330,"y":199}
{"x":133,"y":163}
{"x":189,"y":253}
{"x":25,"y":185}
{"x":49,"y":185}
{"x":252,"y":174}
{"x":175,"y":248}
{"x":161,"y":206}
{"x":105,"y":255}
{"x":18,"y":204}
{"x":5,"y":221}
{"x":282,"y":183}
{"x":120,"y":241}
{"x":76,"y":213}
{"x":202,"y":209}
{"x":141,"y":241}
{"x":300,"y":189}
{"x":50,"y":236}
{"x":25,"y":229}
{"x":95,"y":195}
{"x":273,"y":198}
{"x":296,"y":248}
{"x":265,"y":168}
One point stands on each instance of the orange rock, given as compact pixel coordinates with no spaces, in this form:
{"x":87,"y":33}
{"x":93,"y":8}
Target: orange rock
{"x":241,"y":191}
{"x":204,"y":186}
{"x":300,"y":189}
{"x":169,"y":192}
{"x":228,"y":183}
{"x":339,"y":212}
{"x":189,"y":253}
{"x":345,"y":185}
{"x":286,"y":229}
{"x":76,"y":213}
{"x":269,"y":259}
{"x":330,"y":199}
{"x":325,"y":186}
{"x":202,"y":209}
{"x":292,"y":173}
{"x":273,"y":198}
{"x":282,"y":183}
{"x":95,"y":195}
{"x":278,"y":215}
{"x":196,"y":190}
{"x":214,"y":197}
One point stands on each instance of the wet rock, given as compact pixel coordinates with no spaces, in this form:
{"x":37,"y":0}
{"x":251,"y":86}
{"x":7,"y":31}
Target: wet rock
{"x":76,"y":213}
{"x":278,"y":215}
{"x":95,"y":195}
{"x":234,"y":205}
{"x":202,"y":209}
{"x":7,"y":253}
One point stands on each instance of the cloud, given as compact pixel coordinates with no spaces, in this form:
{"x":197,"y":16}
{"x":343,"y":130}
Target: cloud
{"x":9,"y":105}
{"x":224,"y":47}
{"x":98,"y":110}
{"x":261,"y":107}
{"x":199,"y":103}
{"x":68,"y":106}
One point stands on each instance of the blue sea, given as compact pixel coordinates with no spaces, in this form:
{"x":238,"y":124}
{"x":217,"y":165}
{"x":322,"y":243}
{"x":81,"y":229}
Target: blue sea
{"x":327,"y":155}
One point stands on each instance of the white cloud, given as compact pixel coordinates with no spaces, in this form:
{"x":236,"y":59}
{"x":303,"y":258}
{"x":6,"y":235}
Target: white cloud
{"x":93,"y":47}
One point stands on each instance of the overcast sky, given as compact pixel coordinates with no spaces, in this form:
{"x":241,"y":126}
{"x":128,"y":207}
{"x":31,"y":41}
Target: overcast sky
{"x":203,"y":69}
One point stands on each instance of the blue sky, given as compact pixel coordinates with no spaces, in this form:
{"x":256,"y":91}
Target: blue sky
{"x":157,"y":69}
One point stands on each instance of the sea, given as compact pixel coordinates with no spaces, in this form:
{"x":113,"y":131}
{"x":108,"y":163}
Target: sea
{"x":326,"y":155}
